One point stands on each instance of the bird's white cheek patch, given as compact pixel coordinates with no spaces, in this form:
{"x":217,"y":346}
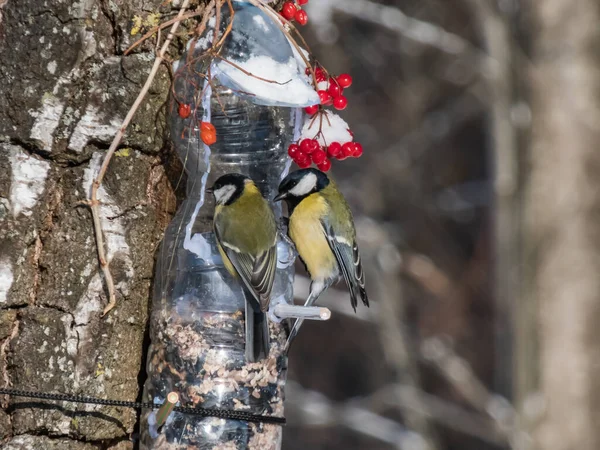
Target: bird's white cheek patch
{"x":306,"y":184}
{"x":224,"y":194}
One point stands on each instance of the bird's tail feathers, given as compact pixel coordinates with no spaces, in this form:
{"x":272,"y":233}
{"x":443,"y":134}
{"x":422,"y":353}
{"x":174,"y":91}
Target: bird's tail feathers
{"x":257,"y":335}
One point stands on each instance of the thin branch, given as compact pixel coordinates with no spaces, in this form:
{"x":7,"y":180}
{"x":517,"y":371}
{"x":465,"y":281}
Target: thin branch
{"x":460,"y":375}
{"x":317,"y":410}
{"x":404,"y":397}
{"x":217,"y":23}
{"x":394,"y":19}
{"x":202,"y":25}
{"x":157,"y":29}
{"x":113,"y":147}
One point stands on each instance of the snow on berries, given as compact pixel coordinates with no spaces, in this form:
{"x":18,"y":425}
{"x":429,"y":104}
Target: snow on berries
{"x":324,"y":136}
{"x":330,"y":90}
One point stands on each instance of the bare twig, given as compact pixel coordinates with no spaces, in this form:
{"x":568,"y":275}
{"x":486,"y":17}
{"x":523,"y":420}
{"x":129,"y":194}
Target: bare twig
{"x":157,"y":28}
{"x":229,"y":25}
{"x":202,"y":25}
{"x":382,"y":265}
{"x":405,"y":397}
{"x":459,"y":373}
{"x":394,"y":19}
{"x":217,"y":23}
{"x":113,"y":147}
{"x":314,"y":408}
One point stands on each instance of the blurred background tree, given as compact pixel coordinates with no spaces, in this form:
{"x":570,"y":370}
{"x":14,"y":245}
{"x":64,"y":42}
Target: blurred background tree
{"x":476,"y":203}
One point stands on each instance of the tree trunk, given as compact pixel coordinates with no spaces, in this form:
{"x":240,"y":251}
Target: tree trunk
{"x":562,"y":207}
{"x":65,"y":86}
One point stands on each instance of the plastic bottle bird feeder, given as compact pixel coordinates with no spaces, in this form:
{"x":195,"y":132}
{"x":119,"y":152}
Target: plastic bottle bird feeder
{"x":197,"y":329}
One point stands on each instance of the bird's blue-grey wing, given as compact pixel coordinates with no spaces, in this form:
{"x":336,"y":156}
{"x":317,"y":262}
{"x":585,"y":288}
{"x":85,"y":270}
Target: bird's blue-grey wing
{"x":257,"y":273}
{"x":263,"y":275}
{"x":348,"y":258}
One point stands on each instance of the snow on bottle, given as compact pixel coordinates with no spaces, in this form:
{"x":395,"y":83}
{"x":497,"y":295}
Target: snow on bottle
{"x":197,"y":329}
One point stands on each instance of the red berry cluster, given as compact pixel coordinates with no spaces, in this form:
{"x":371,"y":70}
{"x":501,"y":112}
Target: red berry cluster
{"x":292,"y":11}
{"x":309,"y":151}
{"x":333,"y":92}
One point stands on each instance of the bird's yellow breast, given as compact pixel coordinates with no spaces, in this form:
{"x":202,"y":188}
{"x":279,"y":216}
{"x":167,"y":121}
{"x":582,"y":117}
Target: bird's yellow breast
{"x":307,"y":233}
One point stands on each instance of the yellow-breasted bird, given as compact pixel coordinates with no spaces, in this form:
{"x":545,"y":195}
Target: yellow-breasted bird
{"x":322,"y":229}
{"x":246,"y":232}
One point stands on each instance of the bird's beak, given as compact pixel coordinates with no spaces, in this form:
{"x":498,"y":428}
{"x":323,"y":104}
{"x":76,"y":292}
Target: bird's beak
{"x":210,"y":190}
{"x":280,"y":196}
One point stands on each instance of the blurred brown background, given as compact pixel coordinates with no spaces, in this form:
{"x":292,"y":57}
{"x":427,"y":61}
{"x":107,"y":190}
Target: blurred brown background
{"x":476,"y":209}
{"x":422,"y":197}
{"x":476,"y":201}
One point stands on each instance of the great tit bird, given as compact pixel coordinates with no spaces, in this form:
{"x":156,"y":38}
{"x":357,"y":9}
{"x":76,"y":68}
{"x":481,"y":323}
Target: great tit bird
{"x":246,"y":232}
{"x":322,"y":229}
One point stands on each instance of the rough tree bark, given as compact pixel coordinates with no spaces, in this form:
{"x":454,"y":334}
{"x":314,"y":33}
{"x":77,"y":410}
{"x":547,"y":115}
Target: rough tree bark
{"x":563,"y":207}
{"x":65,"y":86}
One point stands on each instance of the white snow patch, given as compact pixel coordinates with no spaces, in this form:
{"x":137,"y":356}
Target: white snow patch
{"x":260,"y":22}
{"x":51,"y":67}
{"x":333,"y":130}
{"x":6,"y":278}
{"x":93,"y":126}
{"x":281,"y":84}
{"x":28,"y":180}
{"x":46,"y":120}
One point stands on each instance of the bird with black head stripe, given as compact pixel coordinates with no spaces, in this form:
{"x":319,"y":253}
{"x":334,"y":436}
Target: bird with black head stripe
{"x":246,"y":232}
{"x":322,"y":229}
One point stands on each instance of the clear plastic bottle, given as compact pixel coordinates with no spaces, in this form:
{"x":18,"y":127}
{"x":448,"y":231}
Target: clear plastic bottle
{"x":197,"y":329}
